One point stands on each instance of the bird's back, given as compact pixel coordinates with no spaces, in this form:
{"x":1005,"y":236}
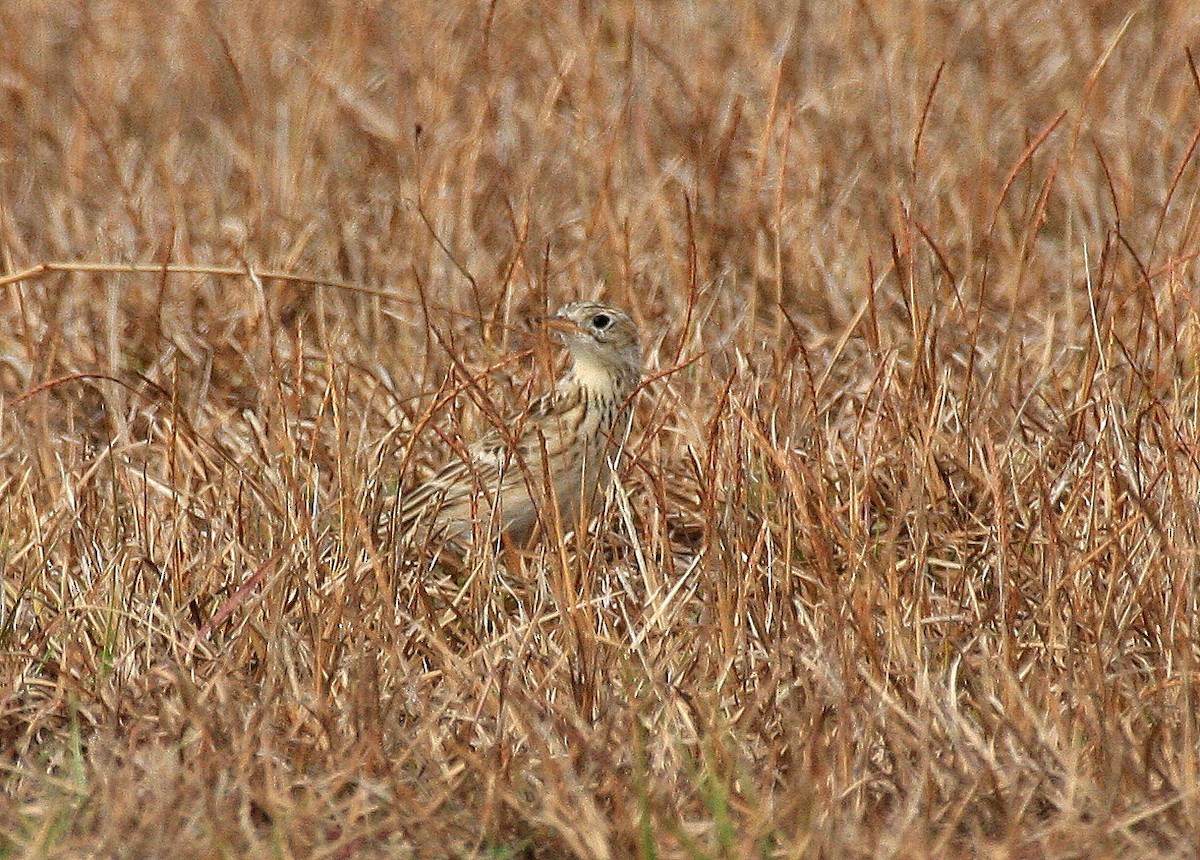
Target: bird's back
{"x":561,"y":445}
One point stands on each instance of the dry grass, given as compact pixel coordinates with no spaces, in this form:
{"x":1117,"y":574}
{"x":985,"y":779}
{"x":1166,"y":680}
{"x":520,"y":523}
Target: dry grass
{"x":904,"y":563}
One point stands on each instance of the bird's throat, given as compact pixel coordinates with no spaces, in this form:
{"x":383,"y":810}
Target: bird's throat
{"x":594,"y":375}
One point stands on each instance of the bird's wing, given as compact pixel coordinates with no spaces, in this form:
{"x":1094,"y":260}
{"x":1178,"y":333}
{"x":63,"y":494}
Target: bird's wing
{"x":486,"y":463}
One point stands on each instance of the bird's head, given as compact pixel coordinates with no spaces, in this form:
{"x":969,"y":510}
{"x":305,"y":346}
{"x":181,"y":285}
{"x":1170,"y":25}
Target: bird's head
{"x":601,"y":339}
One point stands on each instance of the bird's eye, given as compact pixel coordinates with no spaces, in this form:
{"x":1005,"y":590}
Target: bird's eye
{"x":601,"y":321}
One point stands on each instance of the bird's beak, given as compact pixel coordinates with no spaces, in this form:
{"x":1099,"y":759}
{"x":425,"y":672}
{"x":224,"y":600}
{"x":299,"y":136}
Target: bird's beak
{"x":561,"y":324}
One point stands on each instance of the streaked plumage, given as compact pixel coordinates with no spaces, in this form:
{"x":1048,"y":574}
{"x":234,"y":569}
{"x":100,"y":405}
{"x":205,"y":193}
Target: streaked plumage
{"x":563,"y":446}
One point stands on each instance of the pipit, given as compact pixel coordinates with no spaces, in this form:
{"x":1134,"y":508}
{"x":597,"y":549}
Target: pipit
{"x":555,"y":457}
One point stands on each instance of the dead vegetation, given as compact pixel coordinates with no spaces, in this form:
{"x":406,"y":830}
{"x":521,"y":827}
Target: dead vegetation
{"x":903,"y":562}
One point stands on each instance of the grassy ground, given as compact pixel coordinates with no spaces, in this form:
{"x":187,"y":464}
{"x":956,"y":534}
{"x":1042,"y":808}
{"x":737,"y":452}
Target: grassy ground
{"x":903,"y":561}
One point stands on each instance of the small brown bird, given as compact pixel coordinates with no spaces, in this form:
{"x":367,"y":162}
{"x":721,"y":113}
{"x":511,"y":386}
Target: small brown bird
{"x":564,"y":443}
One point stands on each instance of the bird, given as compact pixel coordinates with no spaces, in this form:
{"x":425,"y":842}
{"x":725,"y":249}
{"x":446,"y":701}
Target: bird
{"x":556,"y":454}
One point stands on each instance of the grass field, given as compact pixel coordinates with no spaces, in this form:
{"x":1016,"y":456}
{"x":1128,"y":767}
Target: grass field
{"x":904,"y":556}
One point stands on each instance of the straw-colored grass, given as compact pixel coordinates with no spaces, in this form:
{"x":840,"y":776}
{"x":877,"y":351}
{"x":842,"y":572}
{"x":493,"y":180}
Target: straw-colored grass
{"x":903,"y":558}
